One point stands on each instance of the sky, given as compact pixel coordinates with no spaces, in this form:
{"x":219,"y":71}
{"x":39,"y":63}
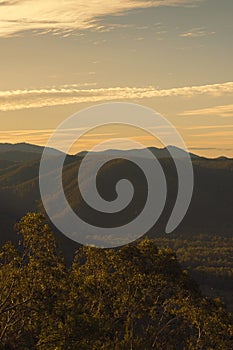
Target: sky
{"x":175,"y":56}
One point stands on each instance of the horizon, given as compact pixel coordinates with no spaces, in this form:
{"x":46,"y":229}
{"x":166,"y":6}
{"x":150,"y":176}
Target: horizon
{"x":118,"y":149}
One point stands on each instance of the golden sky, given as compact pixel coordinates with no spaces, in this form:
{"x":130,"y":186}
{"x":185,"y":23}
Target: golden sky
{"x":174,"y":56}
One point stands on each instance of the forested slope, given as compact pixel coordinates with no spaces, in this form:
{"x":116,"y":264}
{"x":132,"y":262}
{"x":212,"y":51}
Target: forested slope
{"x":137,"y":297}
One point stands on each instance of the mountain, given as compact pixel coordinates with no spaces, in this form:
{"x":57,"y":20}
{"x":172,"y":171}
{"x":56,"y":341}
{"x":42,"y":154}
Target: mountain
{"x":212,"y":201}
{"x":205,"y":232}
{"x":159,"y":153}
{"x":23,"y":152}
{"x":210,"y":210}
{"x":5,"y":163}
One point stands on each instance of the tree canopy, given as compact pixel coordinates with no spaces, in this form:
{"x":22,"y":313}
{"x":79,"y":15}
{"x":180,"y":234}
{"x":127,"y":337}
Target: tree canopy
{"x":136,"y":297}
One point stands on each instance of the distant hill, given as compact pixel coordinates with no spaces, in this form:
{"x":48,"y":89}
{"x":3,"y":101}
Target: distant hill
{"x":21,"y":152}
{"x":209,"y":215}
{"x":159,"y":153}
{"x":210,"y":209}
{"x":22,"y":147}
{"x":5,"y":163}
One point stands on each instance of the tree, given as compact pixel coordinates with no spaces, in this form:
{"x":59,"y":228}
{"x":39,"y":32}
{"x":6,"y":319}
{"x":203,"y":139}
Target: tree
{"x":133,"y":298}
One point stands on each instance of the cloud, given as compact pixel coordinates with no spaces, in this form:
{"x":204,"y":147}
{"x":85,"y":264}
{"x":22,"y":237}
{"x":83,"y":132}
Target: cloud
{"x":24,"y":99}
{"x":220,"y":111}
{"x":87,"y":141}
{"x":216,"y":134}
{"x":202,"y":127}
{"x":63,"y":17}
{"x":196,"y":33}
{"x":39,"y":137}
{"x":209,"y":149}
{"x":8,"y":2}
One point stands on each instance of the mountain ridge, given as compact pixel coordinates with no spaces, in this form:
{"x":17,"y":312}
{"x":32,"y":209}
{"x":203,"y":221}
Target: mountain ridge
{"x":209,"y":214}
{"x":26,"y":151}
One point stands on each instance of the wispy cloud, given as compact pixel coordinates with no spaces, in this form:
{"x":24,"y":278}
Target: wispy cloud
{"x":63,"y":17}
{"x":220,"y":111}
{"x":196,"y":33}
{"x":41,"y":136}
{"x":24,"y":99}
{"x":87,"y":141}
{"x":209,"y":127}
{"x":209,"y":149}
{"x":221,"y":134}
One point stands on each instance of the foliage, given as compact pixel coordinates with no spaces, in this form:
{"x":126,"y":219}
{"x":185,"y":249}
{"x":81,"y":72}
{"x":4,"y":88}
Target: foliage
{"x":209,"y":259}
{"x":136,"y":297}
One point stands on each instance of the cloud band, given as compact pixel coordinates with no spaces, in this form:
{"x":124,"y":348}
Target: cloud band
{"x":24,"y":99}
